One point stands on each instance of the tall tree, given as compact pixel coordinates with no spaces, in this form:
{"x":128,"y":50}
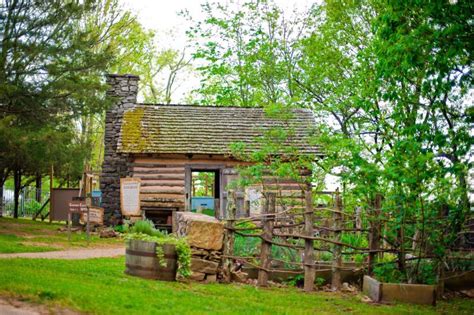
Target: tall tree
{"x":53,"y":59}
{"x":246,"y":53}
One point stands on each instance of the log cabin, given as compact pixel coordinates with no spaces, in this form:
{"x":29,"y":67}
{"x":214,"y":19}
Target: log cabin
{"x":164,"y":145}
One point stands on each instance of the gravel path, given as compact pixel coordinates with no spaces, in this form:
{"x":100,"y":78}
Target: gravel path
{"x":71,"y":254}
{"x":10,"y":306}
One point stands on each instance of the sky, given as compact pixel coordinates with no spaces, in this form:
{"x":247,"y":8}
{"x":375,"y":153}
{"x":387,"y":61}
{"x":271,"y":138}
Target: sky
{"x":162,"y":15}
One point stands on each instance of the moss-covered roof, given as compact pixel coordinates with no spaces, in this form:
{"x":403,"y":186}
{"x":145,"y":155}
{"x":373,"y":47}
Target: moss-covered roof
{"x":190,"y":129}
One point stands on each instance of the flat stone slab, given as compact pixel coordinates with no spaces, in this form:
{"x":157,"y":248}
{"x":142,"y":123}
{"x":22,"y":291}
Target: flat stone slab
{"x":201,"y":231}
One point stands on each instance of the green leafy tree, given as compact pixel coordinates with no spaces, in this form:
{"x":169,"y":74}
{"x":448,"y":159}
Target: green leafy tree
{"x":246,"y":53}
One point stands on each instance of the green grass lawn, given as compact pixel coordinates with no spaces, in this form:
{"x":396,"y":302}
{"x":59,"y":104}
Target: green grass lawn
{"x":25,"y":235}
{"x":99,"y":286}
{"x":10,"y":243}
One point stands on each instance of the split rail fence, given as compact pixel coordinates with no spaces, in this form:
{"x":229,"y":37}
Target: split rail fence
{"x":309,"y":230}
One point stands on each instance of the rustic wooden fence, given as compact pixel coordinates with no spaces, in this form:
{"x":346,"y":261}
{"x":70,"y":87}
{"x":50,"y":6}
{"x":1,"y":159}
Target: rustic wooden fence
{"x":302,"y":229}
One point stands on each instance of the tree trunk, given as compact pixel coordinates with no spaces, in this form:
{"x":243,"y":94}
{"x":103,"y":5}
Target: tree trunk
{"x":17,"y":189}
{"x":38,"y":187}
{"x":401,"y":249}
{"x":1,"y":200}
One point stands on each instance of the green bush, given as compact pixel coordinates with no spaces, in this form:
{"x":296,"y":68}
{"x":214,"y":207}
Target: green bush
{"x":146,"y":227}
{"x":426,"y":272}
{"x":388,"y":272}
{"x":32,"y":206}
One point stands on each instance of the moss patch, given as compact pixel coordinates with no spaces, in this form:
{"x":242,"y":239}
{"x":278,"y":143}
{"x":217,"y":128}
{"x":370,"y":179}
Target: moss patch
{"x":134,"y":135}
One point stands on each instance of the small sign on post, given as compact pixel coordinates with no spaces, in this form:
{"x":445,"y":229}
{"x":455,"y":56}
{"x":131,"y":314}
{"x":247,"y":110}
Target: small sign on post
{"x":80,"y":207}
{"x":130,"y":196}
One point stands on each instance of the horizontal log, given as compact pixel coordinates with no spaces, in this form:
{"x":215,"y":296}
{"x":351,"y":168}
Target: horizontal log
{"x":146,"y":170}
{"x":153,"y":176}
{"x":146,"y":183}
{"x":145,"y":197}
{"x":161,"y":190}
{"x":153,"y":205}
{"x":157,"y":165}
{"x":148,"y":202}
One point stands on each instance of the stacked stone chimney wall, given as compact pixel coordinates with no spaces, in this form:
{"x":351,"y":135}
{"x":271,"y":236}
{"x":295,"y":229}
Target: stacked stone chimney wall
{"x":124,"y":89}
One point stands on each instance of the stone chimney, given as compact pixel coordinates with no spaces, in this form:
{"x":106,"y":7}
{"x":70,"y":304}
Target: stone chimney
{"x":124,"y":89}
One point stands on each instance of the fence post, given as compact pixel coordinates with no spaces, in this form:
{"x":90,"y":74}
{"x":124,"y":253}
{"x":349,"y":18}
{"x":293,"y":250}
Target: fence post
{"x":337,"y":249}
{"x":266,"y":247}
{"x":309,"y":272}
{"x":229,"y":238}
{"x":374,"y":236}
{"x":239,"y":204}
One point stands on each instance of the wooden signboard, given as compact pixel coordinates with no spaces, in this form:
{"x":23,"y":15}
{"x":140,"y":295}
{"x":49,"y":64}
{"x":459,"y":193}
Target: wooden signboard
{"x":77,"y":207}
{"x":96,"y":215}
{"x":130,"y":196}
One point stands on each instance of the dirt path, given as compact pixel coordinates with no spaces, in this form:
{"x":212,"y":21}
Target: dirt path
{"x":10,"y":306}
{"x":71,"y":254}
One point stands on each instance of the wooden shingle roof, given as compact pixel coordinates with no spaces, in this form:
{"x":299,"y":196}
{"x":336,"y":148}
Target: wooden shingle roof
{"x":190,"y":129}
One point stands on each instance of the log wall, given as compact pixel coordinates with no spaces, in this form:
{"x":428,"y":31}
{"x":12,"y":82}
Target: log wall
{"x":163,"y":178}
{"x":163,"y":181}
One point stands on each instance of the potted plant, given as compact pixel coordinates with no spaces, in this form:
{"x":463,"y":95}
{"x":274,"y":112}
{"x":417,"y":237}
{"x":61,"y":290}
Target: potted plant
{"x":153,"y":254}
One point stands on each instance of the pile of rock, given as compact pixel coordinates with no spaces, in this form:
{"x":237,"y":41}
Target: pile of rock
{"x":205,"y":235}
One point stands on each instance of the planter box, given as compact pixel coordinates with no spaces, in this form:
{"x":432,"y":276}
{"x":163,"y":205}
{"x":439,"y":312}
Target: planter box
{"x":401,"y":292}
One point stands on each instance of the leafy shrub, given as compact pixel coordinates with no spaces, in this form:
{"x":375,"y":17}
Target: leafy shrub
{"x":286,"y":254}
{"x":325,"y":256}
{"x":388,"y":272}
{"x":32,"y":206}
{"x":426,"y":273}
{"x":296,"y":281}
{"x":359,"y":258}
{"x":146,"y":227}
{"x":246,"y":246}
{"x":319,"y":281}
{"x":122,"y":228}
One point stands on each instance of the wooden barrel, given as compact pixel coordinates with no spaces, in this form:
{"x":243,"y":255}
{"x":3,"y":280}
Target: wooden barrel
{"x":141,"y":261}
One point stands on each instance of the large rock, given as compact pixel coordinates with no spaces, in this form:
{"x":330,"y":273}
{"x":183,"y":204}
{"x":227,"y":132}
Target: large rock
{"x":204,"y":266}
{"x":201,"y":230}
{"x":197,"y":276}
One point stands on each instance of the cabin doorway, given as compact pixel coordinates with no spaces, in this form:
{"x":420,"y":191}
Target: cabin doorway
{"x":205,"y":191}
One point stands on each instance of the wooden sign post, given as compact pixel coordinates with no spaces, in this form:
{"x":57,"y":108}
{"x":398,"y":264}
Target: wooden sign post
{"x":81,"y":208}
{"x":130,"y":196}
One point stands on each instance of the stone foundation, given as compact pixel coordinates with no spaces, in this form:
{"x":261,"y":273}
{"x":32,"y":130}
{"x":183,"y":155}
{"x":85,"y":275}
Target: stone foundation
{"x":205,"y":235}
